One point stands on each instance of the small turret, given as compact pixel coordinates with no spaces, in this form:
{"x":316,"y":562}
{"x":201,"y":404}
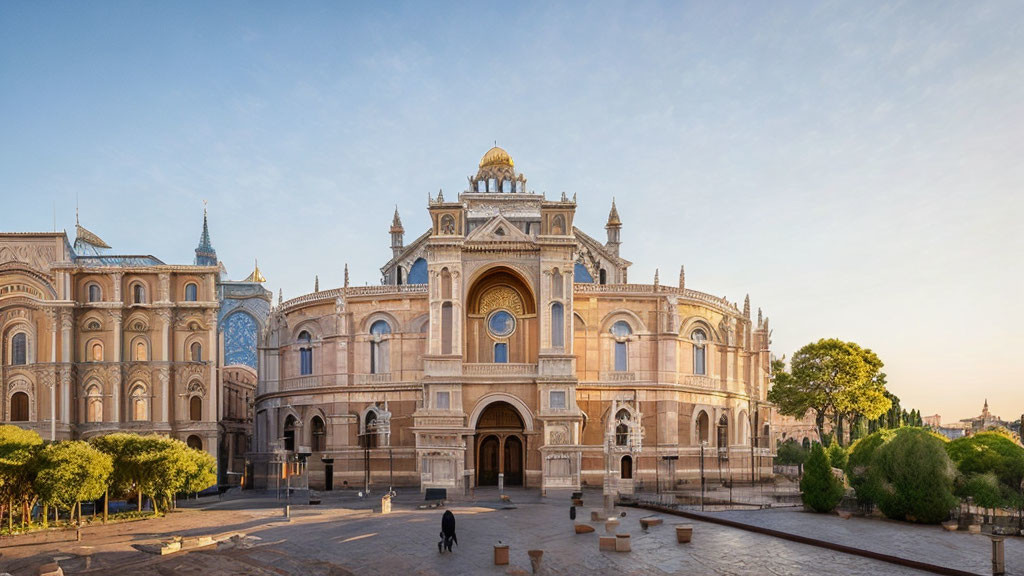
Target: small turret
{"x":656,"y":280}
{"x":682,"y":277}
{"x":280,"y":296}
{"x":397,"y":234}
{"x":614,"y":228}
{"x":346,"y":275}
{"x":316,"y":283}
{"x":205,"y":254}
{"x":746,"y":307}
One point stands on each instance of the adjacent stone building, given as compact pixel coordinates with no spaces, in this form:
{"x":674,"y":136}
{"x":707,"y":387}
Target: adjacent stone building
{"x":505,"y":346}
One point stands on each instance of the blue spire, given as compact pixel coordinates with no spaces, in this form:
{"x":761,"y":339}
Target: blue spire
{"x":205,"y":254}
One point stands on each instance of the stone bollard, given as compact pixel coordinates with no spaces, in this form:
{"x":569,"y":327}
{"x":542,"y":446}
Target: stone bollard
{"x":622,"y":543}
{"x":998,"y":562}
{"x":684,"y":532}
{"x":287,"y":511}
{"x":610,"y":526}
{"x":501,"y":554}
{"x":572,"y":512}
{"x":385,"y":504}
{"x":535,"y":558}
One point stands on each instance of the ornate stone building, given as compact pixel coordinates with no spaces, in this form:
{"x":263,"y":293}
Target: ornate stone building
{"x":506,"y":347}
{"x":94,"y":343}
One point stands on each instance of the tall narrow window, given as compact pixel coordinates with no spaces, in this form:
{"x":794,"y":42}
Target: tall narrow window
{"x":501,"y":352}
{"x":446,"y":328}
{"x":621,"y":332}
{"x":699,"y":348}
{"x":19,"y":349}
{"x":138,"y":294}
{"x":19,"y":407}
{"x":369,"y":439}
{"x":557,"y":285}
{"x":139,"y":404}
{"x":305,"y":353}
{"x":627,"y":468}
{"x":446,"y":284}
{"x":96,"y":351}
{"x":141,"y":353}
{"x":318,"y":433}
{"x":191,"y":292}
{"x":702,"y":427}
{"x":195,"y":409}
{"x":444,"y":400}
{"x":197,"y":352}
{"x":398,"y":271}
{"x":93,"y":405}
{"x":558,"y":225}
{"x":379,"y":350}
{"x":289,"y":434}
{"x":603,"y":276}
{"x":557,"y":326}
{"x":622,"y":428}
{"x":94,"y":293}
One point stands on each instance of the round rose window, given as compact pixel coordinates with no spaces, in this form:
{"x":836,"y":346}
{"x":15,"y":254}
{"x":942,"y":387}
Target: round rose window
{"x":501,"y":324}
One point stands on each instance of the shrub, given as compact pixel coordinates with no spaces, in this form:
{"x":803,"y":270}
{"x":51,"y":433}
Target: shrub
{"x":985,"y":489}
{"x":837,"y":455}
{"x":790,"y":453}
{"x":820,"y":490}
{"x":858,"y":465}
{"x":914,"y":477}
{"x":989,"y":452}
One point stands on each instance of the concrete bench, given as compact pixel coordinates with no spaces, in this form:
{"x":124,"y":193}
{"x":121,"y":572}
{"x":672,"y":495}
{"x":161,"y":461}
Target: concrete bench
{"x":435,"y":496}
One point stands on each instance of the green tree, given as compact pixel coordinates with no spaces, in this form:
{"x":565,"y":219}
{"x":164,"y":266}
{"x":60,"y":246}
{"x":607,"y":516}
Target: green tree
{"x":202,"y":473}
{"x":18,"y":449}
{"x":989,"y":452}
{"x":914,"y":476}
{"x":830,"y":378}
{"x":858,"y":464}
{"x":128,"y":452}
{"x":820,"y":490}
{"x":70,"y":472}
{"x":985,"y":489}
{"x":837,"y":455}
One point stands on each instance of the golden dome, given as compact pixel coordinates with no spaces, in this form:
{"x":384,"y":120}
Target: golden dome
{"x":496,"y":157}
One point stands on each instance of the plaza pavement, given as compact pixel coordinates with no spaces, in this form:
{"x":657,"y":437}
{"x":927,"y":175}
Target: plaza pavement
{"x":344,"y":535}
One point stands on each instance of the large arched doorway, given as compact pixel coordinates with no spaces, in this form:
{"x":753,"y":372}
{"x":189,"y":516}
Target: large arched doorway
{"x":500,"y":446}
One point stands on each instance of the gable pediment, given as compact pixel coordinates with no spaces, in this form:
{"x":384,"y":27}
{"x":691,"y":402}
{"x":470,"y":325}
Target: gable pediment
{"x":498,"y":229}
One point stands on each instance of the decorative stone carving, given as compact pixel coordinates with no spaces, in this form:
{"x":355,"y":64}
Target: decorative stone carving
{"x":501,"y":297}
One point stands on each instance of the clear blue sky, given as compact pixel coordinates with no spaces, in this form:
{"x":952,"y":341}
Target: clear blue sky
{"x":856,"y":167}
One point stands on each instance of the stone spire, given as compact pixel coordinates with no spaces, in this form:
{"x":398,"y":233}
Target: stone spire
{"x":280,"y":296}
{"x":760,"y":318}
{"x":656,"y":281}
{"x":205,"y":254}
{"x":316,"y":283}
{"x":614,"y":228}
{"x":682,"y":277}
{"x":397,"y":234}
{"x":346,"y":275}
{"x":746,"y":307}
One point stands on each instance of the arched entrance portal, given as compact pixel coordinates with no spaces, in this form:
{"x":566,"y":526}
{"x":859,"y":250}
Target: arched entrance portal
{"x":499,"y":446}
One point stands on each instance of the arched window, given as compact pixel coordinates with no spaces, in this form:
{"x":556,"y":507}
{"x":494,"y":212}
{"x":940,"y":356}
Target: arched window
{"x":603,"y":276}
{"x":558,"y":225}
{"x":446,"y":328}
{"x":557,"y":285}
{"x":806,"y":443}
{"x":417,"y":272}
{"x":289,"y":433}
{"x":380,"y":355}
{"x":139,"y":404}
{"x":703,"y":426}
{"x":19,"y":407}
{"x":19,"y":349}
{"x":699,"y":347}
{"x":305,"y":353}
{"x":622,"y":428}
{"x":723,"y":431}
{"x":95,"y":295}
{"x":194,"y":442}
{"x":96,"y":352}
{"x":621,"y":332}
{"x":481,"y":186}
{"x":138,"y":294}
{"x":141,"y":351}
{"x":627,"y":467}
{"x":446,"y":284}
{"x":195,"y":409}
{"x":501,"y":352}
{"x":318,"y":434}
{"x":191,"y":292}
{"x":93,"y":404}
{"x":581,"y":275}
{"x":369,"y":437}
{"x":557,"y":326}
{"x":196,"y":351}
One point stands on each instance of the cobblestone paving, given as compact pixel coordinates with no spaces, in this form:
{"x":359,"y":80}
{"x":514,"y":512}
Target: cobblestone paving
{"x":338,"y":539}
{"x":932,"y":544}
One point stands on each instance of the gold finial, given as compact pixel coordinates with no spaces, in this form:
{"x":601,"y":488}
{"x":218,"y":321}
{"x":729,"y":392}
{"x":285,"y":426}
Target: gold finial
{"x":256,"y":275}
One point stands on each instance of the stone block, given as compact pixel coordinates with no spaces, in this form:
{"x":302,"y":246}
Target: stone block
{"x":684,"y":532}
{"x":170,"y":548}
{"x":622,"y":543}
{"x":584,"y":528}
{"x":51,"y":569}
{"x":950,"y":526}
{"x":648,"y":522}
{"x":500,"y":555}
{"x":596,"y":516}
{"x":610,"y":526}
{"x":607,"y":543}
{"x":974,"y":529}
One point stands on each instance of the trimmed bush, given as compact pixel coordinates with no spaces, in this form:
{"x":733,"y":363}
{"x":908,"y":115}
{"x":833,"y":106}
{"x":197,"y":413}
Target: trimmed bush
{"x":790,"y":453}
{"x":913,"y":477}
{"x":820,"y":490}
{"x":985,"y":489}
{"x":858,"y":464}
{"x":989,"y":452}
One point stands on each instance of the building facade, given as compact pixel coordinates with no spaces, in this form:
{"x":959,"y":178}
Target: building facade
{"x":506,"y":347}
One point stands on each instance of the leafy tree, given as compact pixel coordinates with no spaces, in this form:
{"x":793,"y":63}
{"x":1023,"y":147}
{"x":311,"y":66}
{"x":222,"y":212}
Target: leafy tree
{"x":820,"y":490}
{"x":830,"y":378}
{"x":18,"y":449}
{"x":989,"y":452}
{"x":70,"y":472}
{"x":127,"y":452}
{"x":202,"y":473}
{"x":837,"y":455}
{"x":790,"y":453}
{"x":914,"y":477}
{"x":985,"y":489}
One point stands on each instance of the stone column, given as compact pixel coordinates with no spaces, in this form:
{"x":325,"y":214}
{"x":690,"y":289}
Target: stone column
{"x":165,"y":400}
{"x":116,"y":386}
{"x":66,"y":323}
{"x":213,"y":404}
